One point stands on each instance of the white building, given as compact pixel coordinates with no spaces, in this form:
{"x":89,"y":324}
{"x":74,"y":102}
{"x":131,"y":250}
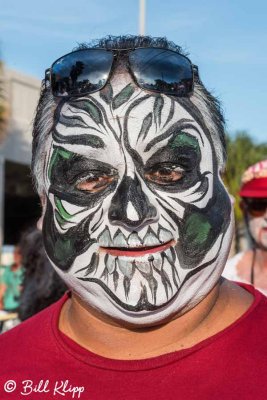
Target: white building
{"x":19,"y":205}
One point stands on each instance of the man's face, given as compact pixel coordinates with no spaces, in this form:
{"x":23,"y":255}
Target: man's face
{"x":138,"y":222}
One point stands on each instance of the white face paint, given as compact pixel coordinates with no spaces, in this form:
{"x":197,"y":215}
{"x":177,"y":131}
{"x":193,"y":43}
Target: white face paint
{"x":258,"y":229}
{"x":138,"y":222}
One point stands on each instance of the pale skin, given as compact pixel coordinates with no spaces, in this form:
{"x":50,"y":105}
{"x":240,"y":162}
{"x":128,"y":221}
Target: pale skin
{"x":258,"y":229}
{"x":260,"y":268}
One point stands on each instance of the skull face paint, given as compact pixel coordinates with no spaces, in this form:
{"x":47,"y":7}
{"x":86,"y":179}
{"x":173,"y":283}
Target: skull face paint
{"x":258,"y":229}
{"x":138,"y":222}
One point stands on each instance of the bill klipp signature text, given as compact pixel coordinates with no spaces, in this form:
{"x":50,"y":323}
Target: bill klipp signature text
{"x":57,"y":388}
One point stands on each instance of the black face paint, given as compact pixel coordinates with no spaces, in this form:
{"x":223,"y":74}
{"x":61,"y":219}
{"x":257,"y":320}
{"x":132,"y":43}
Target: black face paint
{"x":62,"y":249}
{"x":200,"y":229}
{"x":130,"y":190}
{"x":68,"y":169}
{"x":136,"y":208}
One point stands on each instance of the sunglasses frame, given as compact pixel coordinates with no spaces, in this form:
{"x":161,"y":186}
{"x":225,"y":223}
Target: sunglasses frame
{"x":116,"y":53}
{"x":247,"y":205}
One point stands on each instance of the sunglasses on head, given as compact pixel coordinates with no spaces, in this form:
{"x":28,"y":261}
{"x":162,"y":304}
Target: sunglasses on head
{"x":255,"y":207}
{"x":88,"y":70}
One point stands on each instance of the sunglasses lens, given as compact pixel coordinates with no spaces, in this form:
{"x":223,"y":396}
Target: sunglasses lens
{"x":162,"y":70}
{"x":257,"y":208}
{"x":80,"y":72}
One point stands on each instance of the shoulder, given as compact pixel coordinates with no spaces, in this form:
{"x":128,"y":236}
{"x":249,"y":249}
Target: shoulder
{"x":256,"y":315}
{"x":242,"y":302}
{"x":31,"y":338}
{"x":230,"y":270}
{"x":245,"y":337}
{"x":254,"y":322}
{"x":30,"y":327}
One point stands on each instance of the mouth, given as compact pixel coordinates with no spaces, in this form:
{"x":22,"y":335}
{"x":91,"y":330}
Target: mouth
{"x":136,"y":251}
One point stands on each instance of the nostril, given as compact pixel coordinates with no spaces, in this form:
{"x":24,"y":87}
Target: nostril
{"x":112,"y":214}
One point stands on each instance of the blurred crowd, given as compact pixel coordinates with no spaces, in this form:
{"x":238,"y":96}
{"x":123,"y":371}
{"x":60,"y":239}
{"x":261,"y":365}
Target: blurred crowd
{"x":29,"y":283}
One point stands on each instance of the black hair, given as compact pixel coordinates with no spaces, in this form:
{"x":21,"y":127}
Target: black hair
{"x":130,"y":42}
{"x":41,"y":284}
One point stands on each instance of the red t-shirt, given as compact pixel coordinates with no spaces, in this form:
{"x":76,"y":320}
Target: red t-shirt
{"x":229,"y":365}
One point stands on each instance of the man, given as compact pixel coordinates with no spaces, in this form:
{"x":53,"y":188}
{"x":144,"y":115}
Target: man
{"x":137,"y":222}
{"x":251,"y":265}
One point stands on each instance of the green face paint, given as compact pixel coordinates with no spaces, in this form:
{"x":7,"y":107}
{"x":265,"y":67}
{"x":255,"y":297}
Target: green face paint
{"x":123,"y":96}
{"x":61,"y":210}
{"x":185,"y":140}
{"x":63,"y":249}
{"x":197,"y":230}
{"x":58,"y":153}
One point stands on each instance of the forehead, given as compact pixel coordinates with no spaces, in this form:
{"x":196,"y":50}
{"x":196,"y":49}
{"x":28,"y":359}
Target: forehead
{"x":129,"y":117}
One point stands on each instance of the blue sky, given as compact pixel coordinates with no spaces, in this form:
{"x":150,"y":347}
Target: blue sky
{"x":226,"y":39}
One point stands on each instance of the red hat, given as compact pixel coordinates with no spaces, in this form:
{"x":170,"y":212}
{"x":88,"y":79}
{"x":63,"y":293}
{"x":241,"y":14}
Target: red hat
{"x":254,"y":181}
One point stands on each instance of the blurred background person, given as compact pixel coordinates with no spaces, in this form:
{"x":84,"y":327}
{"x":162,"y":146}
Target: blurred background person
{"x":11,"y":283}
{"x":250,"y":266}
{"x":11,"y":277}
{"x":41,"y":284}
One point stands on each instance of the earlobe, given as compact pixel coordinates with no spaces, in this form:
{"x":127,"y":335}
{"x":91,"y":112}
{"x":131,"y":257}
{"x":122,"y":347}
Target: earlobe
{"x":39,"y":223}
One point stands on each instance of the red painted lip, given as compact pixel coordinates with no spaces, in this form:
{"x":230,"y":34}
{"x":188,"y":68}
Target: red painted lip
{"x":135,"y":251}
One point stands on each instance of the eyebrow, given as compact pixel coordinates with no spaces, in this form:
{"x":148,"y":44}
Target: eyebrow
{"x":177,"y":126}
{"x":76,"y":120}
{"x":85,"y":140}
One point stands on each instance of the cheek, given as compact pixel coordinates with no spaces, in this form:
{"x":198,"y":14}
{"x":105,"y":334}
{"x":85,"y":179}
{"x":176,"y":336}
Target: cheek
{"x":255,"y":225}
{"x":66,"y":235}
{"x":201,"y":228}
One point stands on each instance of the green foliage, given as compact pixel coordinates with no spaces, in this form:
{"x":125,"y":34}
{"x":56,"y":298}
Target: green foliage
{"x":243,"y":151}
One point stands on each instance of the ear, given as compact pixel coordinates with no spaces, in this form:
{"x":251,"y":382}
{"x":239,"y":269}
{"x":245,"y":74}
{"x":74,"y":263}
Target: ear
{"x":43,"y":200}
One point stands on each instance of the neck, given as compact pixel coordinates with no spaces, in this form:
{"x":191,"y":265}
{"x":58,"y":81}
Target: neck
{"x":261,"y":259}
{"x":102,"y":336}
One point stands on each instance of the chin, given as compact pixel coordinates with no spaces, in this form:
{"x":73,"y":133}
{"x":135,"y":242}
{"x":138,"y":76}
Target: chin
{"x":96,"y":298}
{"x":138,"y":307}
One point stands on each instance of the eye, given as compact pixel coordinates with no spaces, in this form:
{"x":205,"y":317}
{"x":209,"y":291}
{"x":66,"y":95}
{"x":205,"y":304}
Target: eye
{"x":96,"y":181}
{"x":165,"y":174}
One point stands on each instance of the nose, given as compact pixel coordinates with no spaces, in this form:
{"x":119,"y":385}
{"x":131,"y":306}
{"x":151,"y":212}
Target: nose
{"x":121,"y":81}
{"x":130,"y":207}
